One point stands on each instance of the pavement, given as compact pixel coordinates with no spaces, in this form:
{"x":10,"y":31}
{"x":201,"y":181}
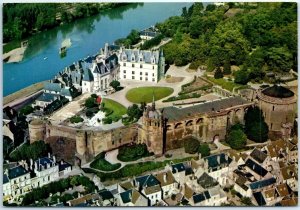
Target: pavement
{"x":173,"y":71}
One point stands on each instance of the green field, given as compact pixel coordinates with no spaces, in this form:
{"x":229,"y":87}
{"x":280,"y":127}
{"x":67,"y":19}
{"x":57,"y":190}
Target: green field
{"x":228,"y":85}
{"x":117,"y":108}
{"x":145,"y":94}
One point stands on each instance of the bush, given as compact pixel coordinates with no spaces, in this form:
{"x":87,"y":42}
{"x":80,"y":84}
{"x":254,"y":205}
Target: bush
{"x":191,"y":145}
{"x":133,"y":152}
{"x":90,"y":103}
{"x":101,"y":164}
{"x":91,"y":112}
{"x":107,"y":120}
{"x":218,"y":73}
{"x":115,"y":85}
{"x":94,"y":95}
{"x":237,"y":139}
{"x":204,"y":150}
{"x":26,"y":110}
{"x":76,"y":119}
{"x":241,"y":77}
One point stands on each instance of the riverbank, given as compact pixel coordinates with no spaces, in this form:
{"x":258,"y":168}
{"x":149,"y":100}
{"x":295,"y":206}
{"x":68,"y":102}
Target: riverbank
{"x":22,"y":94}
{"x":14,"y":56}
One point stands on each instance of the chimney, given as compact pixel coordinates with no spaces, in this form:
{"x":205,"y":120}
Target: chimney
{"x":200,"y":156}
{"x":31,"y":163}
{"x":54,"y":159}
{"x":6,"y":172}
{"x":35,"y":165}
{"x":165,"y":177}
{"x":26,"y":166}
{"x":106,"y":50}
{"x":48,"y":165}
{"x":219,"y":159}
{"x":130,"y":196}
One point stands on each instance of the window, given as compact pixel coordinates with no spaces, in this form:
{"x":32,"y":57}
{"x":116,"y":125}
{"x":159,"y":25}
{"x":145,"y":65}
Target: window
{"x":120,"y":140}
{"x":141,"y":73}
{"x":273,"y":108}
{"x":133,"y":65}
{"x":141,"y":78}
{"x":124,"y":76}
{"x":146,"y":79}
{"x":124,"y":64}
{"x":152,"y":67}
{"x":153,"y":79}
{"x":113,"y":142}
{"x":85,"y":83}
{"x":133,"y":72}
{"x":124,"y":71}
{"x":141,"y":66}
{"x":271,"y":125}
{"x":146,"y":73}
{"x":133,"y":77}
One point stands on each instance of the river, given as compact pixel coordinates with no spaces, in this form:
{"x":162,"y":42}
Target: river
{"x":42,"y":60}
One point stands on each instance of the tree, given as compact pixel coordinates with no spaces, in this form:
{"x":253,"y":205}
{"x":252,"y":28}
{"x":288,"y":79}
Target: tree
{"x":204,"y":150}
{"x":90,"y":102}
{"x":241,"y":77}
{"x":227,"y":67}
{"x":210,"y":7}
{"x":237,"y":139}
{"x":26,"y":110}
{"x":255,"y":125}
{"x":218,"y":73}
{"x":134,"y":112}
{"x":115,"y":85}
{"x":191,"y":145}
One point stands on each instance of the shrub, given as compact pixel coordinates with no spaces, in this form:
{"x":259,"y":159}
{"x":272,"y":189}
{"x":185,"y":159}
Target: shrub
{"x":94,"y":95}
{"x":237,"y":139}
{"x":101,"y":164}
{"x":191,"y":145}
{"x":76,"y":119}
{"x":133,"y":152}
{"x":90,"y":102}
{"x":107,"y":120}
{"x":26,"y":110}
{"x":204,"y":150}
{"x":218,"y":73}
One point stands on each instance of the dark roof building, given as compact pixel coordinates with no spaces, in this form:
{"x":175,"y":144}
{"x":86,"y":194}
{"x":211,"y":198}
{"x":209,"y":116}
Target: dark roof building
{"x":258,"y":155}
{"x":13,"y":173}
{"x":216,"y":161}
{"x":278,"y":92}
{"x":262,"y":183}
{"x":206,"y":181}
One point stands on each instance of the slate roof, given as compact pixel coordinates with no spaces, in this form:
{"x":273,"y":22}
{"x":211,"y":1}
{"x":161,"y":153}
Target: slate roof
{"x":105,"y":194}
{"x":148,"y":33}
{"x":175,"y":113}
{"x":87,"y":75}
{"x":63,"y":166}
{"x":259,"y":198}
{"x":278,"y":92}
{"x":206,"y":181}
{"x":256,"y":168}
{"x":258,"y":155}
{"x":147,"y":181}
{"x":42,"y":163}
{"x":262,"y":183}
{"x":130,"y":196}
{"x":201,"y":197}
{"x":213,"y":163}
{"x":147,"y":55}
{"x":179,"y":167}
{"x":47,"y":97}
{"x":14,"y":173}
{"x":52,"y":86}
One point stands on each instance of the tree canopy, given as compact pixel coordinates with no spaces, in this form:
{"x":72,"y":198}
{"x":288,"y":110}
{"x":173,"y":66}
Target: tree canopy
{"x":191,"y":145}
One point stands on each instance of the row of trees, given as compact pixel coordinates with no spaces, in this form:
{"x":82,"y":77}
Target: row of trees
{"x":23,"y":20}
{"x":259,"y":39}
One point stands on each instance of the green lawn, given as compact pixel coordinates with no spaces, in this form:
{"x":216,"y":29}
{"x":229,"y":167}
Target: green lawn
{"x":117,"y":108}
{"x":228,"y":85}
{"x":145,"y":94}
{"x":104,"y":165}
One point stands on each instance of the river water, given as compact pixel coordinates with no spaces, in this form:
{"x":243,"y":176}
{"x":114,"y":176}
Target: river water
{"x":42,"y":60}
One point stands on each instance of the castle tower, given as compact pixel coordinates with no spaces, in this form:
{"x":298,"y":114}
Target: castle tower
{"x":151,"y":132}
{"x":161,"y":66}
{"x":37,"y":130}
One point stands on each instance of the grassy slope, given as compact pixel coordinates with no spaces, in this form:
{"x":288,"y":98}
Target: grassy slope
{"x":145,"y":94}
{"x":118,"y":108}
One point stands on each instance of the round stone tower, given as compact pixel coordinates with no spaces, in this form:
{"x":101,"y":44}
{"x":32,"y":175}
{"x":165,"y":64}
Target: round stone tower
{"x":37,"y":130}
{"x":81,"y":144}
{"x":279,"y":109}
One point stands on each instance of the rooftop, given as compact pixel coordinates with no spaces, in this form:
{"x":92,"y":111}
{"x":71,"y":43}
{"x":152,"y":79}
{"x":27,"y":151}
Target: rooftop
{"x":175,"y":113}
{"x":278,"y":92}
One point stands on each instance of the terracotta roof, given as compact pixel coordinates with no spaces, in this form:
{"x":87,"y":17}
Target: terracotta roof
{"x":82,"y":199}
{"x":152,"y":189}
{"x":126,"y":185}
{"x":188,"y":192}
{"x":270,"y":193}
{"x":289,"y":202}
{"x":275,"y":146}
{"x":258,"y":155}
{"x":169,"y":178}
{"x":282,"y":189}
{"x":135,"y":196}
{"x":288,"y":172}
